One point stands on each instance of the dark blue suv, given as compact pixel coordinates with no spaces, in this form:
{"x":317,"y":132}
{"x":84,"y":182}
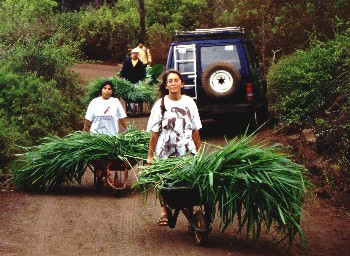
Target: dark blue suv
{"x":221,"y":73}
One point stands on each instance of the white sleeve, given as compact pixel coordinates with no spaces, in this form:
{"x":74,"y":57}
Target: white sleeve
{"x":195,"y":115}
{"x":155,"y":118}
{"x":120,"y":110}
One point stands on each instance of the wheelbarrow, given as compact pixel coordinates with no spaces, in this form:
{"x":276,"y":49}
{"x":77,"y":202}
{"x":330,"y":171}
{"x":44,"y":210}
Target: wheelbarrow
{"x":112,"y":172}
{"x":134,"y":108}
{"x":184,"y":199}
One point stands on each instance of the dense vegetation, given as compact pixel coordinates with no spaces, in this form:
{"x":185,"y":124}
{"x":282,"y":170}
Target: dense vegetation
{"x":278,"y":28}
{"x":38,"y":95}
{"x":303,"y":46}
{"x":311,"y":88}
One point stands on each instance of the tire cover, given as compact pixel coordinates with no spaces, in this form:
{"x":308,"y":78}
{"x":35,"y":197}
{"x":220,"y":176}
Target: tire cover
{"x":220,"y":80}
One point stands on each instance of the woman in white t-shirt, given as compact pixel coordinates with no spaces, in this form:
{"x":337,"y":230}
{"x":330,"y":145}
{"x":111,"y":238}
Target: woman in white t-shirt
{"x":104,"y":113}
{"x":174,"y":123}
{"x":103,"y":116}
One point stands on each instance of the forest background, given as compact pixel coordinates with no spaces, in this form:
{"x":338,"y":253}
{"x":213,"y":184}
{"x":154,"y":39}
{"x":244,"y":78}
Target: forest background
{"x":303,"y":47}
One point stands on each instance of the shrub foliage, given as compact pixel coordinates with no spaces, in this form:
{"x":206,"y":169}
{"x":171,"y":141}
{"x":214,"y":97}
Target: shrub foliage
{"x":313,"y":87}
{"x":38,"y":95}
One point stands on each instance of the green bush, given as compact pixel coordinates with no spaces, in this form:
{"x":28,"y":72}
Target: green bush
{"x":313,"y":88}
{"x":158,"y":33}
{"x":307,"y":82}
{"x":10,"y":137}
{"x":41,"y":44}
{"x":22,"y":19}
{"x":109,"y":31}
{"x":32,"y":108}
{"x":35,"y":107}
{"x":46,"y":59}
{"x":69,"y":23}
{"x":39,"y":96}
{"x":186,"y":14}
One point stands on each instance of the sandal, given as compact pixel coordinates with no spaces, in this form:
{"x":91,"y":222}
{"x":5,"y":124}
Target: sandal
{"x":163,"y":221}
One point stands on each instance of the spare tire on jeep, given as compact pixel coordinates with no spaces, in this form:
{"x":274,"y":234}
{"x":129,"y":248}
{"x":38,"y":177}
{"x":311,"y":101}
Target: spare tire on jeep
{"x":220,"y":80}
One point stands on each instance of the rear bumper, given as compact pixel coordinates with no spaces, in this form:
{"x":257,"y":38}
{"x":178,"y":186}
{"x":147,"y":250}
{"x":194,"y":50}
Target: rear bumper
{"x":227,"y":109}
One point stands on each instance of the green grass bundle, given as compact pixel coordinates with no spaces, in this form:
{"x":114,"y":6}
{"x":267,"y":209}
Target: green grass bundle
{"x":142,"y":91}
{"x":249,"y":182}
{"x":60,"y":160}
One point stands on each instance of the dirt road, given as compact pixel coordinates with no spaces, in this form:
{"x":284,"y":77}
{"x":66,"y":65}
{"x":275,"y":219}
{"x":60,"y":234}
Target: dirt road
{"x":78,"y":220}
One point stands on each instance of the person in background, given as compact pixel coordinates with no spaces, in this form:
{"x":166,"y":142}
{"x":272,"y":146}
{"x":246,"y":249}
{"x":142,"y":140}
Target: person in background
{"x":104,"y":114}
{"x":144,"y":53}
{"x":174,"y":124}
{"x":134,"y":71}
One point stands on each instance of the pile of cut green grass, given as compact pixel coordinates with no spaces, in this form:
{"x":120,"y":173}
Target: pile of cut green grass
{"x":62,"y":160}
{"x":124,"y":89}
{"x":248,"y":182}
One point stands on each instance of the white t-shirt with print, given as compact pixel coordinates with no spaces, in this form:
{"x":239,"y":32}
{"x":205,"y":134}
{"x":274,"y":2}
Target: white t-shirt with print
{"x":104,"y":115}
{"x":180,"y":119}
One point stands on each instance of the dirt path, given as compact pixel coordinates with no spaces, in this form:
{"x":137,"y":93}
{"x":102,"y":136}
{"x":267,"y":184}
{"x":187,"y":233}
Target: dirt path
{"x":83,"y":221}
{"x":90,"y":72}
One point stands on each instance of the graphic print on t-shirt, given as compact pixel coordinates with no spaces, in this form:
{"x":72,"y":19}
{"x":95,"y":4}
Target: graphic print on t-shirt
{"x":177,"y":126}
{"x":104,"y":122}
{"x":105,"y":112}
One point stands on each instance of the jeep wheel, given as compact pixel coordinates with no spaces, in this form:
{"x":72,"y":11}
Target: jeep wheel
{"x":220,"y":80}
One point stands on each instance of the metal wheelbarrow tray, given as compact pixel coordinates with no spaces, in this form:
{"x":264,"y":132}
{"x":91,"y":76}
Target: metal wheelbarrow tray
{"x":185,"y":199}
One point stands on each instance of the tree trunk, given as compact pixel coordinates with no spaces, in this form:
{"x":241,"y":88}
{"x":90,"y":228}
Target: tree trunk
{"x":142,"y":19}
{"x":263,"y":48}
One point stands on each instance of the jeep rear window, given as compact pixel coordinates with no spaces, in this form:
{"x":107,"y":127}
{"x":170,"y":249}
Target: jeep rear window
{"x":226,"y":53}
{"x":186,"y":59}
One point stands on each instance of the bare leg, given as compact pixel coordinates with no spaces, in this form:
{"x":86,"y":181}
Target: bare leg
{"x":99,"y":180}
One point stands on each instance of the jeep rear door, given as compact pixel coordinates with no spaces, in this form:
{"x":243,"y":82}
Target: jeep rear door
{"x":185,"y":63}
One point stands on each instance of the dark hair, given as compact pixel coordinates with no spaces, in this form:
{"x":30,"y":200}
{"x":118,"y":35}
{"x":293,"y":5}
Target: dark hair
{"x":141,"y":41}
{"x":104,"y":83}
{"x":162,"y":88}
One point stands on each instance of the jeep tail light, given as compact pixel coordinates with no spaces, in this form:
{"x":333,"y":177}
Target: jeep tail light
{"x":249,"y":89}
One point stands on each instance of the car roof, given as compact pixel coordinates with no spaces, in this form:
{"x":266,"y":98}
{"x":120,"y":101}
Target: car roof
{"x":209,"y":34}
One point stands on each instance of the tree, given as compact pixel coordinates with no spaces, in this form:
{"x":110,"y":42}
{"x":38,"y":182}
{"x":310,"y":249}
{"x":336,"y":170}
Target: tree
{"x":142,"y":19}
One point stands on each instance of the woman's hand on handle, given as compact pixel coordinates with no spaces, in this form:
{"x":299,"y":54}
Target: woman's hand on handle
{"x":152,"y":146}
{"x":87,"y":124}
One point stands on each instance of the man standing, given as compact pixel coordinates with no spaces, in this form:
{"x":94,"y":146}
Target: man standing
{"x":134,"y":71}
{"x":144,"y":53}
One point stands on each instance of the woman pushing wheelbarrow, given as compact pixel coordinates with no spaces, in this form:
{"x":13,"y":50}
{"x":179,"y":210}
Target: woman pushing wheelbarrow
{"x":104,"y":114}
{"x":174,"y":123}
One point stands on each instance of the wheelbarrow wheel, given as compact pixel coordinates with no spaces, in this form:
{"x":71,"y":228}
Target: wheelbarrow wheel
{"x":200,"y":221}
{"x":117,"y":175}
